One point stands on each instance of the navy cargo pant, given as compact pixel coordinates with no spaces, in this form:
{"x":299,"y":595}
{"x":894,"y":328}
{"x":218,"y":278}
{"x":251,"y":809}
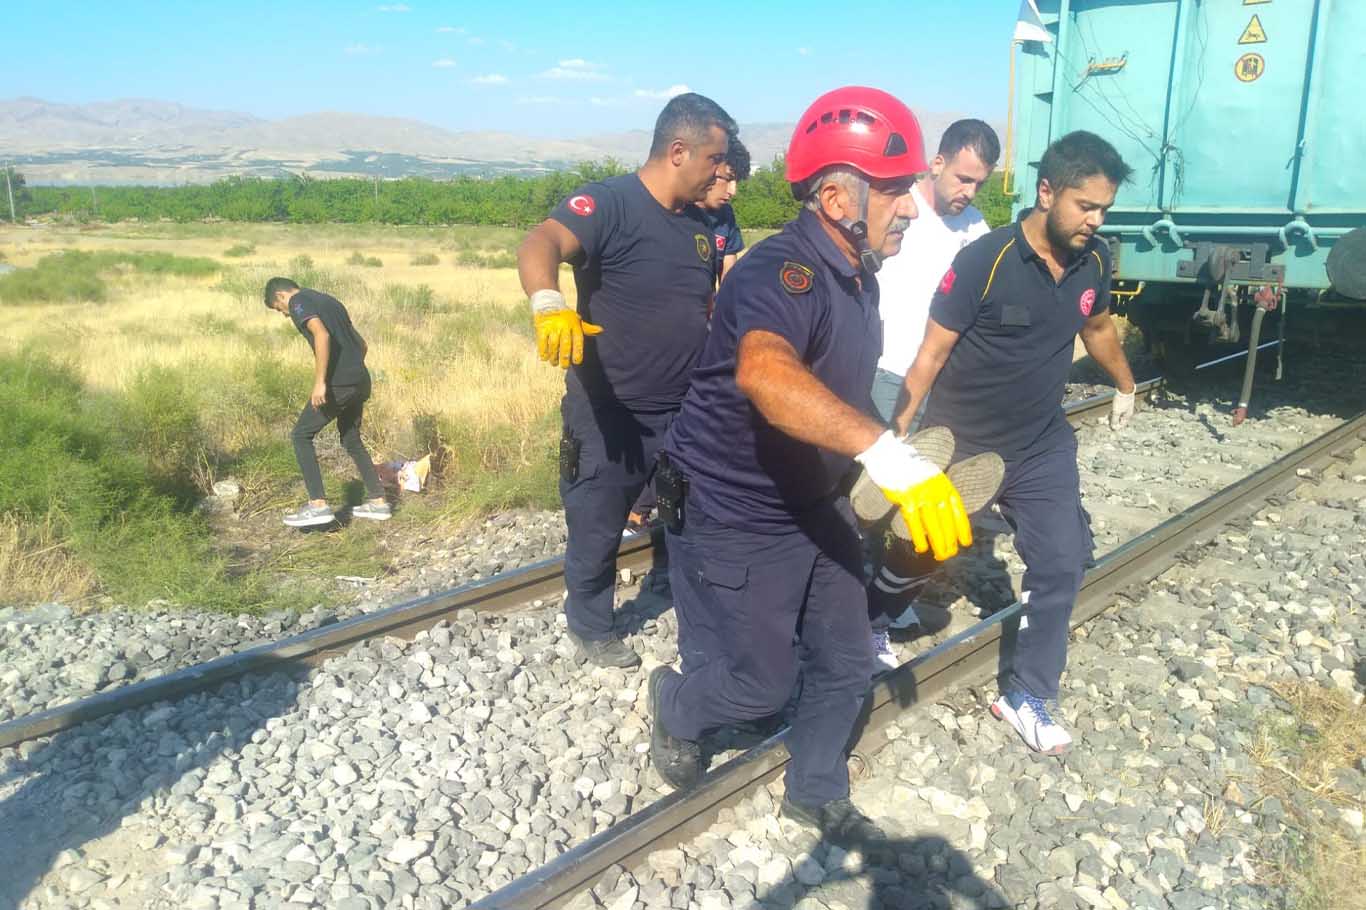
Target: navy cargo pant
{"x":1040,"y":499}
{"x":755,"y":610}
{"x":616,"y":457}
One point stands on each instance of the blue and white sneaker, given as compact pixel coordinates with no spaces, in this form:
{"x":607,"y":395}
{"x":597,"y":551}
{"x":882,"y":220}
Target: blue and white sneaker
{"x":1029,"y":716}
{"x":884,"y":658}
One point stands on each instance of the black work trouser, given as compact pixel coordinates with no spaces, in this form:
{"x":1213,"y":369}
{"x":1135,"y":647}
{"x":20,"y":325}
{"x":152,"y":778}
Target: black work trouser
{"x":345,"y":405}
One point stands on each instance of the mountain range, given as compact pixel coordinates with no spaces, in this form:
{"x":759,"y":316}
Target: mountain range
{"x":139,"y":141}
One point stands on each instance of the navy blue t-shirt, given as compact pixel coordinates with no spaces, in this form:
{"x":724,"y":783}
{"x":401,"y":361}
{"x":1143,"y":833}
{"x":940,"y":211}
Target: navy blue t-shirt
{"x":726,"y":236}
{"x":1002,"y":386}
{"x":345,"y":362}
{"x":743,"y":471}
{"x":647,"y":278}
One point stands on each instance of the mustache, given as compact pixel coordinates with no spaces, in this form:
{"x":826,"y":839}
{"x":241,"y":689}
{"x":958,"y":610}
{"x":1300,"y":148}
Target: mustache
{"x":899,"y":226}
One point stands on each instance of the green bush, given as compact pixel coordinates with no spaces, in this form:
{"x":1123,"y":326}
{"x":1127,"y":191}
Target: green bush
{"x":426,"y":259}
{"x":483,"y":259}
{"x":240,"y":249}
{"x":78,"y":460}
{"x":409,"y":300}
{"x":359,"y":258}
{"x":74,"y":276}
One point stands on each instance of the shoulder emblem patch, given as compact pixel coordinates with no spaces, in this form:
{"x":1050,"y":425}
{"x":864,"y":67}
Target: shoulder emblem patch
{"x":582,"y":205}
{"x":720,"y":243}
{"x":703,"y":247}
{"x":946,"y":283}
{"x":796,"y":278}
{"x":296,"y":308}
{"x":1086,"y":301}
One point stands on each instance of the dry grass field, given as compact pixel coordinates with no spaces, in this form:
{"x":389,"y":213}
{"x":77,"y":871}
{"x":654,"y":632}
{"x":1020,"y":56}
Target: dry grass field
{"x":450,"y":350}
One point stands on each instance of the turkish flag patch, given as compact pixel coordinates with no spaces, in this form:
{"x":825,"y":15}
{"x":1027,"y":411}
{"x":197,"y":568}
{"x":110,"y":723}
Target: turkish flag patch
{"x":720,"y":242}
{"x":582,"y":205}
{"x":1087,"y":301}
{"x":946,"y":283}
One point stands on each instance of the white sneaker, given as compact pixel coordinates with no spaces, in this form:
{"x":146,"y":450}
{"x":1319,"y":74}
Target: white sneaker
{"x":884,"y":658}
{"x":1030,"y":718}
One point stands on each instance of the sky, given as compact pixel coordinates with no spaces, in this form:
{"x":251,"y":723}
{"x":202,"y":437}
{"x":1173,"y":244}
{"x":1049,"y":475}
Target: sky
{"x":547,"y":69}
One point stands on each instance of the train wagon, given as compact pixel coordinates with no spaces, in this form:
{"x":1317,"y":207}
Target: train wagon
{"x":1247,"y":201}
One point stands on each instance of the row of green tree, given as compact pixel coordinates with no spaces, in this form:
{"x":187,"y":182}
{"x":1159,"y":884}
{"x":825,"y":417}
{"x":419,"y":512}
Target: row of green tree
{"x":764,"y":201}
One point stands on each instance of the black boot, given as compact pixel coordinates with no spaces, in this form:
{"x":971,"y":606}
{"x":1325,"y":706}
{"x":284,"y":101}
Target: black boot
{"x":839,"y":822}
{"x":607,"y":652}
{"x":678,"y":761}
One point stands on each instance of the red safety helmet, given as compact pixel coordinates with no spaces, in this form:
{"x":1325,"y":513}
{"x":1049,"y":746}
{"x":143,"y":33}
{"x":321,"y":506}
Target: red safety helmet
{"x":863,"y":128}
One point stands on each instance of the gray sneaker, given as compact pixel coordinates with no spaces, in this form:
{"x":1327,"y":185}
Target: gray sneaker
{"x":375,"y":511}
{"x":870,"y":503}
{"x":308,"y":516}
{"x":976,"y":479}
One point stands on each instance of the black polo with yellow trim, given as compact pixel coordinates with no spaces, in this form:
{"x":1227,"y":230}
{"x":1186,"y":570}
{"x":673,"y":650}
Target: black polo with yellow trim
{"x":743,"y":471}
{"x":1001,"y":388}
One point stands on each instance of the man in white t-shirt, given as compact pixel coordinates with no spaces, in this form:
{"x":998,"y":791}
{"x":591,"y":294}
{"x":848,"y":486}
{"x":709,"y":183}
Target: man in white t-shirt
{"x":947,"y":222}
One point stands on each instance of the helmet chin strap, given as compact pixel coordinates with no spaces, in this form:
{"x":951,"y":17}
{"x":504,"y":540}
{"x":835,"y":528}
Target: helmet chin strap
{"x":858,"y":230}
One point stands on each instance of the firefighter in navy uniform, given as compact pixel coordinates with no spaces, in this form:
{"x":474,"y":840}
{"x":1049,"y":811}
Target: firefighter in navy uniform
{"x":765,"y":558}
{"x":997,"y":350}
{"x":644,"y":266}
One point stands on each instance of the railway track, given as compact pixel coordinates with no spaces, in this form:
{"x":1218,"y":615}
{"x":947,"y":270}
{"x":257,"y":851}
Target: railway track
{"x":965,"y":655}
{"x":510,"y":591}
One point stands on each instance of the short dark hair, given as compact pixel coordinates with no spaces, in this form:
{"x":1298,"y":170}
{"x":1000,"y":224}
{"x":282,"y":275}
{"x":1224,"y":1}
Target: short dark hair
{"x":275,"y":285}
{"x":688,"y":116}
{"x":971,"y":134}
{"x":1079,"y":155}
{"x":737,"y":156}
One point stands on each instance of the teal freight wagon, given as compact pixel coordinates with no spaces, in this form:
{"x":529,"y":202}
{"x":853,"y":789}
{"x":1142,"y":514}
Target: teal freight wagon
{"x":1244,"y":123}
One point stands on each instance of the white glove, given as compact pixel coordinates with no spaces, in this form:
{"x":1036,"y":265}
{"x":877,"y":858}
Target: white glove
{"x":1121,"y":409}
{"x":894,"y":464}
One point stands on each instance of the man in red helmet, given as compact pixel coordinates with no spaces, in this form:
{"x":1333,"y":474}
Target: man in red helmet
{"x":765,"y":559}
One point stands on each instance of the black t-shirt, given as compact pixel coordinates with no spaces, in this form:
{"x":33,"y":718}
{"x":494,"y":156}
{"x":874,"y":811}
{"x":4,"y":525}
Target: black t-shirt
{"x":345,"y":362}
{"x":744,"y":472}
{"x":646,"y":277}
{"x":1002,"y":386}
{"x":725,"y":231}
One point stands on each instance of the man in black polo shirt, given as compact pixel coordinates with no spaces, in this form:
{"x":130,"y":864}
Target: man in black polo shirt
{"x":765,"y":550}
{"x":718,"y":213}
{"x":997,"y":351}
{"x":341,"y":386}
{"x":644,"y":266}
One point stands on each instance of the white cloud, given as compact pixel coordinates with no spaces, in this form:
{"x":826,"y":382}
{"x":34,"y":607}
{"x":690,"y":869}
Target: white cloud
{"x":361,"y":50}
{"x":538,"y":99}
{"x":662,"y":93}
{"x":394,"y":8}
{"x":475,"y":41}
{"x":803,"y":51}
{"x":444,"y":63}
{"x":450,"y":29}
{"x":490,"y":79}
{"x":597,"y":101}
{"x":576,"y":68}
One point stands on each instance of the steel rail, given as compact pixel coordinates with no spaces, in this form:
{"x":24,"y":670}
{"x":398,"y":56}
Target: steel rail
{"x":501,"y":593}
{"x":966,"y":657}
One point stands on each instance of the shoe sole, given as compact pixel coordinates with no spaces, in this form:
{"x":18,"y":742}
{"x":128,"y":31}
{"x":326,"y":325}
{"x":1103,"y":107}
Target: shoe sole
{"x":977,"y":479}
{"x":1000,"y":715}
{"x":868,"y":500}
{"x":372,"y":517}
{"x":310,"y":522}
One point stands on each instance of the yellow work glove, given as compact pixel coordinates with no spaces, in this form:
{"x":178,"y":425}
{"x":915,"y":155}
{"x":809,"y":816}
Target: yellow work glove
{"x":559,"y":330}
{"x":931,"y":506}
